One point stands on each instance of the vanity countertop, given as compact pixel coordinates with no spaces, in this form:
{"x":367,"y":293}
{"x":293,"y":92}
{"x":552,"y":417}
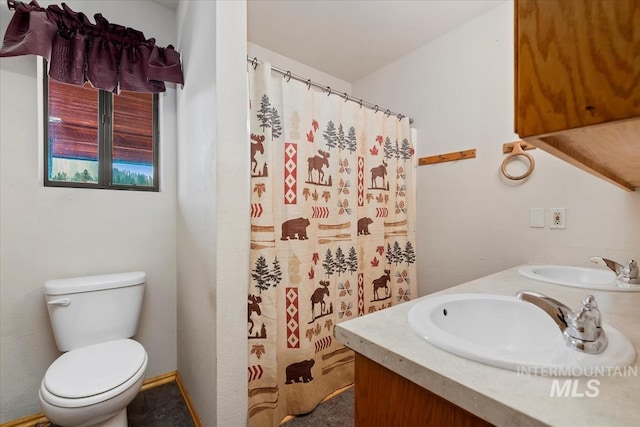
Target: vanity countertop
{"x":502,"y":397}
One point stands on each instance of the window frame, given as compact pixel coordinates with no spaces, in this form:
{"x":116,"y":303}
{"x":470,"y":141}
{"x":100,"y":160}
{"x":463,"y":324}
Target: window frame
{"x":105,"y":144}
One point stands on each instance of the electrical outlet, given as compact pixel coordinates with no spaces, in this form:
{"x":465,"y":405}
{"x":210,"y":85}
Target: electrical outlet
{"x":558,"y":218}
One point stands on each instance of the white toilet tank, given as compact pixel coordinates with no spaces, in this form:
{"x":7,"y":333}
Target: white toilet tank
{"x":93,"y":309}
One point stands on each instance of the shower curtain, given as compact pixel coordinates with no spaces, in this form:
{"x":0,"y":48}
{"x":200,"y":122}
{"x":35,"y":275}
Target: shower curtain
{"x":332,"y":236}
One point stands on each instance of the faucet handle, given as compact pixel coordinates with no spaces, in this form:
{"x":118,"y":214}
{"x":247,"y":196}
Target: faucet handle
{"x":632,"y":268}
{"x":632,"y":273}
{"x":590,"y":305}
{"x":584,"y":328}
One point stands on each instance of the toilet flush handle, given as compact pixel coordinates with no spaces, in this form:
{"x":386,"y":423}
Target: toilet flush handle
{"x":61,"y":301}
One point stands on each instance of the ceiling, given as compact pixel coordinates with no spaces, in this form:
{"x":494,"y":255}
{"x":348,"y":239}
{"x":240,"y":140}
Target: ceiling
{"x":171,"y":4}
{"x":351,"y":38}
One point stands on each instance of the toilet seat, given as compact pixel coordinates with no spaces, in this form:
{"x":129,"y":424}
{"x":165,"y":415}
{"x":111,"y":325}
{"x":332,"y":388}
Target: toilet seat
{"x":93,"y":374}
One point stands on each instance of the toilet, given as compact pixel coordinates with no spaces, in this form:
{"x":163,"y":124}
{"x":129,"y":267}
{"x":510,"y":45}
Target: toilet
{"x":102,"y":370}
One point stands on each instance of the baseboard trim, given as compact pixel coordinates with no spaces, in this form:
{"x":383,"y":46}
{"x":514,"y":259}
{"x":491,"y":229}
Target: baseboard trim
{"x":28,"y":421}
{"x":32,"y":420}
{"x":159,"y":380}
{"x":187,"y":400}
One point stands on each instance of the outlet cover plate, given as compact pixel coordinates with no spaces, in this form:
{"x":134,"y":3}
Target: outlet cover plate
{"x":536,"y":218}
{"x":558,"y":218}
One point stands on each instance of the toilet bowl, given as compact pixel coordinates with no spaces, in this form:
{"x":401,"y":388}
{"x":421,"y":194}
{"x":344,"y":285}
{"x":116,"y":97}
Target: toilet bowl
{"x":93,"y":319}
{"x":93,"y":385}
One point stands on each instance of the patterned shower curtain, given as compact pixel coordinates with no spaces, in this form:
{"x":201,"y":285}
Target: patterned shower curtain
{"x":332,"y":237}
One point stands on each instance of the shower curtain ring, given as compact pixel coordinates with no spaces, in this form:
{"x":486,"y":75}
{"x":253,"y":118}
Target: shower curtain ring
{"x":400,"y":117}
{"x":360,"y":103}
{"x":375,"y":108}
{"x":328,"y":90}
{"x":388,"y":112}
{"x":346,"y":97}
{"x":288,"y":76}
{"x":254,"y":62}
{"x":309,"y":84}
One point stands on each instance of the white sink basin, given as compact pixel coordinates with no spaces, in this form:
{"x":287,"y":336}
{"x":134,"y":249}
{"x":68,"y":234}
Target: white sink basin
{"x":507,"y":333}
{"x":578,"y":277}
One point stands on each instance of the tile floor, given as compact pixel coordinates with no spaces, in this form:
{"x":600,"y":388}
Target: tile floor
{"x":164,"y":406}
{"x":161,"y":406}
{"x":335,"y":412}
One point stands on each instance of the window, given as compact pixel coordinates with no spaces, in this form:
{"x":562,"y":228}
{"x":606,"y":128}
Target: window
{"x":96,"y":139}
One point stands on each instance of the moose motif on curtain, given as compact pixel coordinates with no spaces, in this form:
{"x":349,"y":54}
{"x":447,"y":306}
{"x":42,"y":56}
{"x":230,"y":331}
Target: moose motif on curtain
{"x":316,"y":163}
{"x":340,"y":248}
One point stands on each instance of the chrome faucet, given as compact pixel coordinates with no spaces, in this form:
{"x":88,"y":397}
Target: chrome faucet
{"x":629,"y":274}
{"x":581,"y":328}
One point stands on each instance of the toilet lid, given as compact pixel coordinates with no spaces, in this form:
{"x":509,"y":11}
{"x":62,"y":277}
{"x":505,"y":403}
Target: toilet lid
{"x":94,"y":369}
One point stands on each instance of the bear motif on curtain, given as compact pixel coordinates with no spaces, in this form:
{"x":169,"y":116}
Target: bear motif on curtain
{"x":332,"y":237}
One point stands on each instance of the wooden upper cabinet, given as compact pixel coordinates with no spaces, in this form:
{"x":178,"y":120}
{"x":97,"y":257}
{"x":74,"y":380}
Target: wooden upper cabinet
{"x":578,"y":83}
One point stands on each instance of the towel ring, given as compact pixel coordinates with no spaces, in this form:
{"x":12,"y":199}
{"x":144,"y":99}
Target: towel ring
{"x":518,"y":151}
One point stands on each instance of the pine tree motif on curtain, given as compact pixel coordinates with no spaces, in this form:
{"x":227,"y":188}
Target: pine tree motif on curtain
{"x":332,"y":237}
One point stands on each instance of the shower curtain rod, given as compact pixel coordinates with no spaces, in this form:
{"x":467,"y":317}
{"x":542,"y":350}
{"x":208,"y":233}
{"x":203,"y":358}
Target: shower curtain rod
{"x":288,"y":75}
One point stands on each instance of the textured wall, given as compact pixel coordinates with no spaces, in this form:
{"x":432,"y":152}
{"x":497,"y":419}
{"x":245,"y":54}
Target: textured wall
{"x":297,"y":68}
{"x":213,"y":210}
{"x":470,"y":220}
{"x":197,"y":206}
{"x":233,"y":225}
{"x":49,"y":233}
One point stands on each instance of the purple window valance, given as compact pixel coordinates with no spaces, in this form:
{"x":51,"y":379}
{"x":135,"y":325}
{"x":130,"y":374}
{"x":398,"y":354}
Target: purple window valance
{"x":109,"y":56}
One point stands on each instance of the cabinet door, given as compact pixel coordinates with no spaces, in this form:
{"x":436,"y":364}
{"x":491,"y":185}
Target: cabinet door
{"x":384,"y":398}
{"x":577,"y":63}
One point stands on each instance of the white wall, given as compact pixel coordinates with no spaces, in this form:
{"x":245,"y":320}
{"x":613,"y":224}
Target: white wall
{"x":49,"y":233}
{"x":297,"y":68}
{"x":470,"y":220}
{"x":197,"y":206}
{"x":213,"y":210}
{"x":233,"y":225}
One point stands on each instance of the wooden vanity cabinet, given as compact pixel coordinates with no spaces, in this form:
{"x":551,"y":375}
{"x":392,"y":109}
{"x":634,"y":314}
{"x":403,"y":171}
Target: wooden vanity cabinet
{"x":384,"y":398}
{"x":577,"y":83}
